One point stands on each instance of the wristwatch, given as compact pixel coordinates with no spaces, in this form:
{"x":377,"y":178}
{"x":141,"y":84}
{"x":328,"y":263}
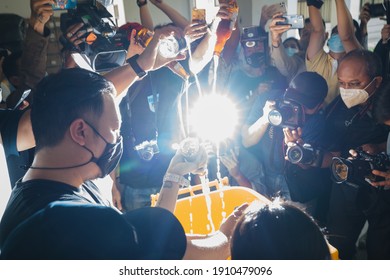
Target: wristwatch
{"x":176,"y":179}
{"x":132,"y":61}
{"x":142,"y":3}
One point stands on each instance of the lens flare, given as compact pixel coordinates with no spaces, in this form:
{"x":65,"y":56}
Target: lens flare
{"x":214,"y":117}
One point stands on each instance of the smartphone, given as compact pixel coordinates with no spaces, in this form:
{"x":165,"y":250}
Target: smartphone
{"x":64,"y":5}
{"x":296,"y":21}
{"x":377,"y":10}
{"x":199,"y":15}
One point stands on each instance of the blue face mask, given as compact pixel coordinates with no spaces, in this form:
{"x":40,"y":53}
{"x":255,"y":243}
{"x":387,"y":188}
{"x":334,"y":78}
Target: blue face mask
{"x":335,"y":44}
{"x":291,"y":51}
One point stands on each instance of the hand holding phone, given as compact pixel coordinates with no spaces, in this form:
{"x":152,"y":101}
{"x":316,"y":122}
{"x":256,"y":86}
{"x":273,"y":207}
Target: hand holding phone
{"x":295,"y":21}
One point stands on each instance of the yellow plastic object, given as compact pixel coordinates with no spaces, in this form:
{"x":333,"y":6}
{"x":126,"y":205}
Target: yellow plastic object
{"x":201,"y":213}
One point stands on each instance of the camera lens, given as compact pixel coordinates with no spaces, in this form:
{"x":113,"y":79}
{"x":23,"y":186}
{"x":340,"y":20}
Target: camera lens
{"x":275,"y":117}
{"x":295,"y":154}
{"x":147,"y":154}
{"x":339,"y":170}
{"x":250,"y":44}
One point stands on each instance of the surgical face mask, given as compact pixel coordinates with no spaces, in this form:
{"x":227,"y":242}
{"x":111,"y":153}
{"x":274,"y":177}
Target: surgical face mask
{"x":110,"y":157}
{"x":335,"y":44}
{"x":291,"y":51}
{"x":354,"y":96}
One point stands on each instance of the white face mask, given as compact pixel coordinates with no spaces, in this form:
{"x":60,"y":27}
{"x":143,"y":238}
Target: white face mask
{"x":354,"y":96}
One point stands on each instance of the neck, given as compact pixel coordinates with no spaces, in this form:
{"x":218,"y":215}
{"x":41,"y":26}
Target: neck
{"x":53,"y":164}
{"x":336,"y":56}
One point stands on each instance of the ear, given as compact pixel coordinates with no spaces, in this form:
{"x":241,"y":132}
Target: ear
{"x":77,"y":131}
{"x":378,"y":81}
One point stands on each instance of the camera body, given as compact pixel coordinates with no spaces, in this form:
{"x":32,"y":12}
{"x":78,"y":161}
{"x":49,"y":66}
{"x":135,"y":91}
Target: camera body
{"x":358,"y":171}
{"x":296,"y":21}
{"x":104,"y":47}
{"x":305,"y":154}
{"x":378,"y":10}
{"x":254,"y":45}
{"x":147,"y":149}
{"x":287,"y":113}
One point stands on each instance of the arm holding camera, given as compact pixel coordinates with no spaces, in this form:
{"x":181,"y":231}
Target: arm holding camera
{"x":252,"y":134}
{"x":288,"y":66}
{"x":364,"y":17}
{"x":345,"y":27}
{"x":124,"y":76}
{"x":318,"y":34}
{"x":173,"y":15}
{"x":144,"y":14}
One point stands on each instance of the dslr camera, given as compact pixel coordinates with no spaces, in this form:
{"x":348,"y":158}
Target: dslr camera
{"x":379,"y":9}
{"x":287,"y":113}
{"x":305,"y":154}
{"x":147,"y":149}
{"x":105,"y":48}
{"x":358,"y":171}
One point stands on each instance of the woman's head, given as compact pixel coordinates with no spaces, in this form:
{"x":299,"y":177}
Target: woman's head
{"x":277,"y":231}
{"x":291,"y":45}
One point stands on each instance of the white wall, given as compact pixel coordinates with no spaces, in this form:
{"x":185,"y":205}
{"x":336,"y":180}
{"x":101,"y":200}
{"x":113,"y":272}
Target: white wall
{"x":22,"y":8}
{"x":132,"y":10}
{"x":19,"y":7}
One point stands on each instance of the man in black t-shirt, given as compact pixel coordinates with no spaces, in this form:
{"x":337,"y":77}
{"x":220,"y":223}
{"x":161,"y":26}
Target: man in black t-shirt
{"x":351,"y":125}
{"x":269,"y":142}
{"x":149,"y":113}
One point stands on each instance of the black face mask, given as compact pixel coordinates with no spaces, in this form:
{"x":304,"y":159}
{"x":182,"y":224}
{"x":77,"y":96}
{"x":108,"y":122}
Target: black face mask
{"x":110,"y":157}
{"x":255,"y":60}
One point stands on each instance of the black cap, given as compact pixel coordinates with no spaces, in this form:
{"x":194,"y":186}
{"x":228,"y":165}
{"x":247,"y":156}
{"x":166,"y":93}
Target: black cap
{"x":308,"y":89}
{"x":68,"y":230}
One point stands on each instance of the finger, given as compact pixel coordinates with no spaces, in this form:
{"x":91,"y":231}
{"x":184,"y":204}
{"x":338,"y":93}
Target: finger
{"x":132,"y":37}
{"x":277,"y":15}
{"x":353,"y":153}
{"x":239,"y":211}
{"x":380,"y":184}
{"x":381,"y":173}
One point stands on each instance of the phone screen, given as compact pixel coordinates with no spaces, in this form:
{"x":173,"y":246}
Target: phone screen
{"x":64,"y":5}
{"x":198,"y":15}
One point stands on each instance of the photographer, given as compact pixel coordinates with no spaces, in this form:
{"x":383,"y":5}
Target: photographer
{"x":306,"y":94}
{"x":351,"y":125}
{"x":288,"y":65}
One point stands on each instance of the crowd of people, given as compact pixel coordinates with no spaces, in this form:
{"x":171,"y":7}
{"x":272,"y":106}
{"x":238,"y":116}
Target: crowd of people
{"x":307,"y":118}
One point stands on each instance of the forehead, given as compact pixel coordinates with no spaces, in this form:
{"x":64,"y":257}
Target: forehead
{"x":111,"y":113}
{"x":352,"y":68}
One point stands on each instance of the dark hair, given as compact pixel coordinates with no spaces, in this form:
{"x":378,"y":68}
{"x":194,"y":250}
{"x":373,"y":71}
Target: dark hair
{"x":278,"y":231}
{"x":292,"y":39}
{"x":11,"y":65}
{"x":372,"y":62}
{"x":382,"y":103}
{"x":61,"y":98}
